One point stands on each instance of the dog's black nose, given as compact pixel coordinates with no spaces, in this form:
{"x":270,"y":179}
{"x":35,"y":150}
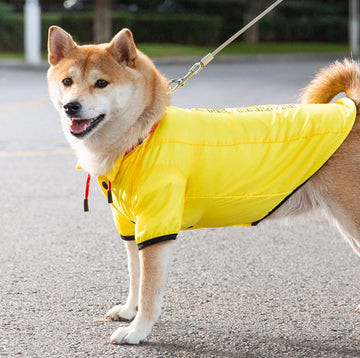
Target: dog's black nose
{"x":72,"y":108}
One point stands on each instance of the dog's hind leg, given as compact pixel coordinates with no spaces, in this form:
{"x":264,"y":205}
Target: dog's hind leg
{"x":342,"y":207}
{"x":128,"y":311}
{"x":154,"y":262}
{"x":339,"y":189}
{"x":347,"y":222}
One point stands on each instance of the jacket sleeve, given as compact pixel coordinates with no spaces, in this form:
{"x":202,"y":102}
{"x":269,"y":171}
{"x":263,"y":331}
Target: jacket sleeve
{"x":159,"y":205}
{"x":124,"y":226}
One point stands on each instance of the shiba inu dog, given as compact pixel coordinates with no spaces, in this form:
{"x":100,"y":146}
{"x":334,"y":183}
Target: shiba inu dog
{"x":168,"y":169}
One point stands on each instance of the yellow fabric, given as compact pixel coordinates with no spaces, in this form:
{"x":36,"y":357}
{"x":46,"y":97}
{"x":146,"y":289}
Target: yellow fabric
{"x":214,"y":168}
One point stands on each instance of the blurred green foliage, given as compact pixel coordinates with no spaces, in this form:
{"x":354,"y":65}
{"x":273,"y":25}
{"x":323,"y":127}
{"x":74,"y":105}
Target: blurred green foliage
{"x":186,"y":23}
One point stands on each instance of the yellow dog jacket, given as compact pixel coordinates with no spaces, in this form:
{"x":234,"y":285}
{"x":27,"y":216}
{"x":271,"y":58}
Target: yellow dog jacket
{"x":212,"y":168}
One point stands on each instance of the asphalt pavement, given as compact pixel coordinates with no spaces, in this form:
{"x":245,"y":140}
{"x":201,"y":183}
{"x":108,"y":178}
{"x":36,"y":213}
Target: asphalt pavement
{"x":271,"y":291}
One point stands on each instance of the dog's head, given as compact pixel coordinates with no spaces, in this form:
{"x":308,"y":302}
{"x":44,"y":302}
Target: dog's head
{"x":101,"y":90}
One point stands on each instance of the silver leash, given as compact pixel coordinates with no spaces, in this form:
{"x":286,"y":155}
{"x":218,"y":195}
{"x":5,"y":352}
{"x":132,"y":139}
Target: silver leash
{"x":176,"y":83}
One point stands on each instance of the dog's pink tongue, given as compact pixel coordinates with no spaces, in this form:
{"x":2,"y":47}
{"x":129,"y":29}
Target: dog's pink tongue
{"x":79,"y":125}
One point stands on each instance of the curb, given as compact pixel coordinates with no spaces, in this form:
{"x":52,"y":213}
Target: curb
{"x":261,"y":58}
{"x":17,"y":64}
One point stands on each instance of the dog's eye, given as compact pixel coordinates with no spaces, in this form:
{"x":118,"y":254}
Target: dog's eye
{"x":67,"y":82}
{"x":101,"y":84}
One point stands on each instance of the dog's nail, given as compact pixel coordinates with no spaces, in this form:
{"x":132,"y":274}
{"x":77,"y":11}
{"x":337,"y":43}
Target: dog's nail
{"x":112,"y":341}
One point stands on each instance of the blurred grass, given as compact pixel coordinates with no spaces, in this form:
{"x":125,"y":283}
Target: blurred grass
{"x":241,"y":48}
{"x":237,"y":48}
{"x":10,"y":55}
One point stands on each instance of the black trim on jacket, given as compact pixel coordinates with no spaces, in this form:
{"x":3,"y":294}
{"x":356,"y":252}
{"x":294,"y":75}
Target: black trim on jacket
{"x":156,"y":240}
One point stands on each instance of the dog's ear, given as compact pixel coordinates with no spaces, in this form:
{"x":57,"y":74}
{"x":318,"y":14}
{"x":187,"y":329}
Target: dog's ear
{"x":59,"y":44}
{"x":123,"y":48}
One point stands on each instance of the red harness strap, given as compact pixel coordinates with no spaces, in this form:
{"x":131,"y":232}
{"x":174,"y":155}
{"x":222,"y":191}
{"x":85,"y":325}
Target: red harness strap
{"x":140,"y":140}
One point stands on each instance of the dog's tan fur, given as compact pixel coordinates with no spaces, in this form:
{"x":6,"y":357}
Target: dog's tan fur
{"x":142,"y":102}
{"x":120,"y":63}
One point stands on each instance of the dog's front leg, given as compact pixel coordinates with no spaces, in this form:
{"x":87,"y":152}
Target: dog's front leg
{"x":128,"y":311}
{"x":154,"y":262}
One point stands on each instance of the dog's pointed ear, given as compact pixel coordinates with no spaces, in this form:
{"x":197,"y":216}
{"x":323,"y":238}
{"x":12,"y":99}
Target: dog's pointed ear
{"x":59,"y":44}
{"x":123,"y":49}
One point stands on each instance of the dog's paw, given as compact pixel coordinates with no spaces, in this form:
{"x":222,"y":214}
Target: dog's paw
{"x":128,"y":335}
{"x":357,"y":309}
{"x":121,"y":313}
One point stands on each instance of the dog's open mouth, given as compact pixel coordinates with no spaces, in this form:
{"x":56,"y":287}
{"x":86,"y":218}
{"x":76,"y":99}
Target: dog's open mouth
{"x":81,"y":127}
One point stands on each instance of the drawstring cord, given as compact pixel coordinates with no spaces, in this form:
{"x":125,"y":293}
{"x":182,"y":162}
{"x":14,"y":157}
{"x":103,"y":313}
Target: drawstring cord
{"x":106,"y":186}
{"x":86,"y":200}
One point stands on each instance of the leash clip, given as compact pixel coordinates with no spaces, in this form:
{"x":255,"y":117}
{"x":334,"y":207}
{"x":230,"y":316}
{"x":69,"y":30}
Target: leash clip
{"x":176,"y":83}
{"x":180,"y":82}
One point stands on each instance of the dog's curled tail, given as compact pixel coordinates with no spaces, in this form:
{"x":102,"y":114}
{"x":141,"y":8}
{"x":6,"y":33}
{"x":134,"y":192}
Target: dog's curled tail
{"x":332,"y":80}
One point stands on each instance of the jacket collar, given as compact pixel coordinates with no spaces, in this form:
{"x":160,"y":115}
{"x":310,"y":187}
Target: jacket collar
{"x":111,"y":175}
